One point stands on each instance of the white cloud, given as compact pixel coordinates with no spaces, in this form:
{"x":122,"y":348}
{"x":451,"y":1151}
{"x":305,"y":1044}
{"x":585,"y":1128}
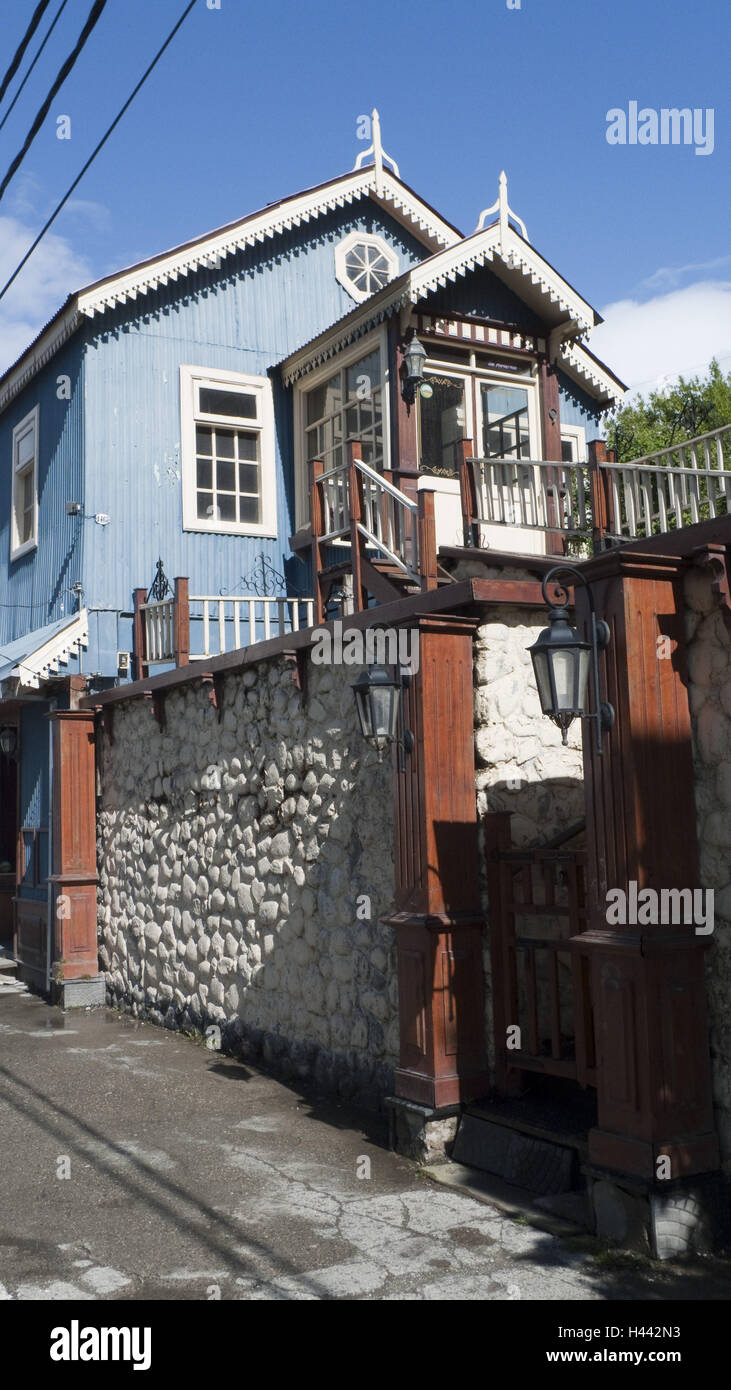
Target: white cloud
{"x":650,"y":343}
{"x":54,"y":270}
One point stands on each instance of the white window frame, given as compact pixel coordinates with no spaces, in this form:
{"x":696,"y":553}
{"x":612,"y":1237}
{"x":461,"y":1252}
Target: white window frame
{"x":365,"y":239}
{"x":29,"y":421}
{"x":475,"y":373}
{"x":361,"y":348}
{"x":191,"y":379}
{"x":577,"y":435}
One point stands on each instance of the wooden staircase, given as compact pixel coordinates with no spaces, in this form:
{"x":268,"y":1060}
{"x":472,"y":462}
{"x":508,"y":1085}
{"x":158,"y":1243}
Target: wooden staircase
{"x":391,"y":537}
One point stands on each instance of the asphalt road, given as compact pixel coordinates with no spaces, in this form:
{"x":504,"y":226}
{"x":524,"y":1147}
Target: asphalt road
{"x":137,"y":1164}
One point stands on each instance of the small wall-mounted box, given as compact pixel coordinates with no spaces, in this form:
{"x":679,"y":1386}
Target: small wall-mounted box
{"x":124,"y":662}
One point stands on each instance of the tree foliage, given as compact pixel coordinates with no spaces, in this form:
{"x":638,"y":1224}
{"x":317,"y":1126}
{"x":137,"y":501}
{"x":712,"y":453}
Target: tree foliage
{"x":669,"y":416}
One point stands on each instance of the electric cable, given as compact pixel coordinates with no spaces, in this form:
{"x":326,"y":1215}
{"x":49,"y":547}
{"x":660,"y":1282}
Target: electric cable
{"x":64,"y":3}
{"x":94,"y":16}
{"x":17,"y":58}
{"x":100,"y":145}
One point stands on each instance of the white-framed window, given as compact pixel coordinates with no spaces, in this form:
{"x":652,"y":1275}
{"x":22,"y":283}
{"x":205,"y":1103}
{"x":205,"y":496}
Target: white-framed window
{"x":364,"y":264}
{"x":228,"y":456}
{"x":573,"y":444}
{"x":24,"y":500}
{"x":469,"y":400}
{"x":344,"y":401}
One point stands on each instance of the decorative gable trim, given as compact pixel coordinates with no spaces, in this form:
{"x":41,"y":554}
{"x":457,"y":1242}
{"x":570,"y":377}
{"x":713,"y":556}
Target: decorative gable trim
{"x":587,"y":371}
{"x":41,"y":664}
{"x":210,"y":251}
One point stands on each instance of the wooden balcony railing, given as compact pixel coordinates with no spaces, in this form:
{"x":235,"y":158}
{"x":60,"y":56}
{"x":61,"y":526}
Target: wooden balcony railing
{"x":602,"y":500}
{"x":356,"y":504}
{"x":192,"y":627}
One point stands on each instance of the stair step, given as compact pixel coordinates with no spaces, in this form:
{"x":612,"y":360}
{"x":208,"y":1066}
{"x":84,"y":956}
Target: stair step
{"x":526,"y":1162}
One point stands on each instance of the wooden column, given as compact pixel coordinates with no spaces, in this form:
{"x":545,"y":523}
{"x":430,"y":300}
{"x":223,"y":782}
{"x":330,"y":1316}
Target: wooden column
{"x":653,"y":1066}
{"x":74,"y":875}
{"x":438,"y":919}
{"x":138,"y":636}
{"x":551,"y":430}
{"x":405,"y":452}
{"x":601,"y":495}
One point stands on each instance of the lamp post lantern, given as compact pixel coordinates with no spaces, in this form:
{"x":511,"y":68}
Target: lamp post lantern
{"x":562,"y":661}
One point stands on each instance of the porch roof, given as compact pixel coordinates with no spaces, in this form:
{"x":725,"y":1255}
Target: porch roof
{"x":32,"y":659}
{"x":566,"y":315}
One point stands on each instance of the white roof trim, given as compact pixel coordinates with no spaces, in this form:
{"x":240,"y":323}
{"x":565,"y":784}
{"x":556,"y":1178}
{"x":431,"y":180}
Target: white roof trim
{"x":40,"y":665}
{"x":493,"y":244}
{"x":588,"y":373}
{"x":212,"y":249}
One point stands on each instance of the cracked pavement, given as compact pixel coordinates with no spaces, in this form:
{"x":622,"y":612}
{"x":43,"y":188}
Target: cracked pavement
{"x":138,"y":1164}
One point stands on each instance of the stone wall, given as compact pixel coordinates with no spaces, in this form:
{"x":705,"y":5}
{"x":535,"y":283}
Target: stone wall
{"x":244,"y":865}
{"x":709,"y":672}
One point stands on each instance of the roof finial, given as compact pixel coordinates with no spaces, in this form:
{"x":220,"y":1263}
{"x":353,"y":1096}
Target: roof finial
{"x":504,"y":213}
{"x":378,"y":152}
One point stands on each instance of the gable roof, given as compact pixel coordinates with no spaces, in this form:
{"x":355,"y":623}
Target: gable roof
{"x":519,"y":265}
{"x":377,"y":183}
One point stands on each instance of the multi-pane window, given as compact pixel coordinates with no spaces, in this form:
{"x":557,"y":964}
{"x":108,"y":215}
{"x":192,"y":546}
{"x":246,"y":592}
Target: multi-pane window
{"x":229,"y":463}
{"x":505,"y":422}
{"x":442,"y":425}
{"x":24,"y":505}
{"x":348,"y":407}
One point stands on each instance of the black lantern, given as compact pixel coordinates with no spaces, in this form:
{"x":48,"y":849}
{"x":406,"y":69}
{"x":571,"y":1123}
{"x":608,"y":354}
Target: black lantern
{"x":562,"y":660}
{"x":9,"y":741}
{"x":414,"y":359}
{"x":378,"y":703}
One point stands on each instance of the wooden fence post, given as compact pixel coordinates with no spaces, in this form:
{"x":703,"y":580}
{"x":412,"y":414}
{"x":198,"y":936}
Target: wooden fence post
{"x":139,"y":635}
{"x":601,"y":497}
{"x":468,"y":494}
{"x":317,"y":468}
{"x":181,"y":623}
{"x":427,"y":540}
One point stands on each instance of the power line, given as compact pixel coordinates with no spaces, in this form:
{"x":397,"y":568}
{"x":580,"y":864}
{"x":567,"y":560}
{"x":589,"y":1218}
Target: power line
{"x":95,"y":152}
{"x":94,"y":16}
{"x":64,"y":3}
{"x":17,"y":58}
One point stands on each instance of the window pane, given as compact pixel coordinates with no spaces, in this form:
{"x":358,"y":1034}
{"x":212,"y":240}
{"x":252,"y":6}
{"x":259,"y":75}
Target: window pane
{"x":203,"y":439}
{"x":249,"y":509}
{"x":225,"y":444}
{"x":442,"y":420}
{"x":28,"y":489}
{"x":324,"y":400}
{"x":567,"y":450}
{"x":505,"y":422}
{"x":238,"y":403}
{"x":205,"y":505}
{"x":205,"y":473}
{"x":248,"y":478}
{"x":25,"y":447}
{"x":226,"y":506}
{"x":248,"y":445}
{"x":225,"y":477}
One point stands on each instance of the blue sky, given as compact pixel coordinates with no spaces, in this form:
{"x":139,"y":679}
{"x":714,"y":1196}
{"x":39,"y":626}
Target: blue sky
{"x":252,"y":103}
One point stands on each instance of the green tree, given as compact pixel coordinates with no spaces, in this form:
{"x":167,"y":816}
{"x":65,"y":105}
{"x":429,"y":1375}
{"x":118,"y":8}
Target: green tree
{"x":669,"y":416}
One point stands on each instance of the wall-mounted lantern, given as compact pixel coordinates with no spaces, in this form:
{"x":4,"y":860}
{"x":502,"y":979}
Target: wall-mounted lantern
{"x":414,"y":359}
{"x":380,"y":711}
{"x":561,"y":662}
{"x":9,"y":741}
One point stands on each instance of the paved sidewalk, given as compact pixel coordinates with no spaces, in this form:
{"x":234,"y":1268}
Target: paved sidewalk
{"x":193,"y":1176}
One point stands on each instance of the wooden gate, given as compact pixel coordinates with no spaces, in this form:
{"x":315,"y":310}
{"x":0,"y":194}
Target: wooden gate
{"x":540,"y":982}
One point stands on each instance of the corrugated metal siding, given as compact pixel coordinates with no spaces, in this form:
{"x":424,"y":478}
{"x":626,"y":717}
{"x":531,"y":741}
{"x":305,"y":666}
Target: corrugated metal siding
{"x":34,"y":793}
{"x":35,"y":589}
{"x":578,"y":408}
{"x":245,"y":317}
{"x":481,"y":295}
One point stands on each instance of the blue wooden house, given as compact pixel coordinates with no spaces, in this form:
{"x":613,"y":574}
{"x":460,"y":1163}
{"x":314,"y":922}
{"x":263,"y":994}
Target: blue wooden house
{"x":164,"y":439}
